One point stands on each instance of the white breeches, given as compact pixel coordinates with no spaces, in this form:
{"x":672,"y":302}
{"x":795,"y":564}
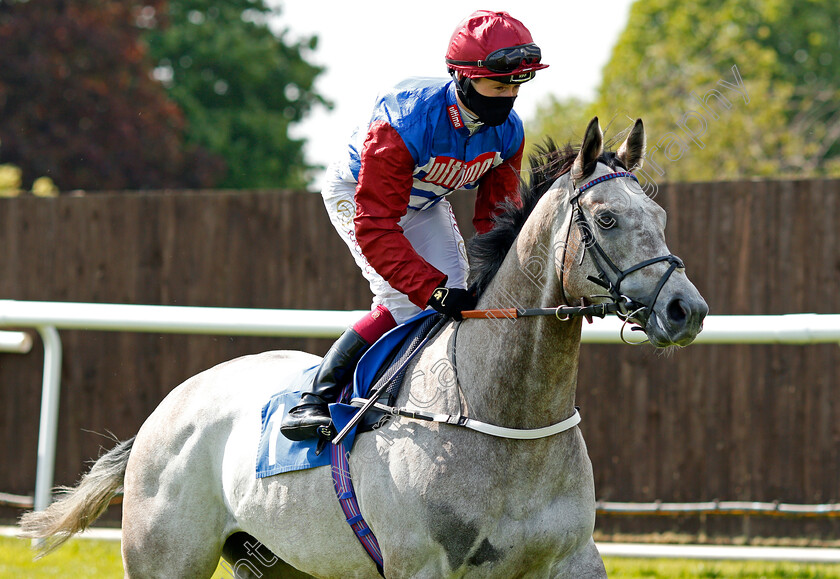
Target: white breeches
{"x":433,"y":233}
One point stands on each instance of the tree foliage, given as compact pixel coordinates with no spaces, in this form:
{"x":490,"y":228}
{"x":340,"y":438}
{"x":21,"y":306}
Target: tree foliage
{"x":563,"y":120}
{"x":240,"y":86}
{"x":727,"y":88}
{"x":78,"y":104}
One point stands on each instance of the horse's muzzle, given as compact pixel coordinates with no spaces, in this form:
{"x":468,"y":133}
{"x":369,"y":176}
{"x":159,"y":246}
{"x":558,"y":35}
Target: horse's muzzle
{"x":677,"y":322}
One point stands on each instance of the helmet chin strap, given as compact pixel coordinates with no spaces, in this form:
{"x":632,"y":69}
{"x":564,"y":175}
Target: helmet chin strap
{"x":462,"y":83}
{"x":471,"y":119}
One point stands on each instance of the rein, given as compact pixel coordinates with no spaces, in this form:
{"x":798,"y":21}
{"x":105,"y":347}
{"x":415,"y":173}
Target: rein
{"x":562,"y":313}
{"x":624,"y":307}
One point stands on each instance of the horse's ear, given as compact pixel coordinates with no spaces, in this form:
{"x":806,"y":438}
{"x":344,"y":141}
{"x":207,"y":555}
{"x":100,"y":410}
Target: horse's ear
{"x":631,"y":153}
{"x":590,"y":150}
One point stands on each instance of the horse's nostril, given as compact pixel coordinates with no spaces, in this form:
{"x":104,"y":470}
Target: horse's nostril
{"x":677,"y":312}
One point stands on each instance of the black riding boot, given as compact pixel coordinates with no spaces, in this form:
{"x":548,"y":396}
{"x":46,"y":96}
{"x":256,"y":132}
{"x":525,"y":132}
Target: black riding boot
{"x":306,"y":420}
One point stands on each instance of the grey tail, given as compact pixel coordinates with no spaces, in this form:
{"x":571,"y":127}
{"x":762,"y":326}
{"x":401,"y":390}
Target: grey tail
{"x":78,"y":507}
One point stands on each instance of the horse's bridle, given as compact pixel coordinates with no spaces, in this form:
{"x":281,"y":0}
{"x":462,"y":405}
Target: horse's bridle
{"x":610,"y":275}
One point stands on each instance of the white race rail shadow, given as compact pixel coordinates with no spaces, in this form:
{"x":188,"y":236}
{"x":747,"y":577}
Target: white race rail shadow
{"x":49,"y":317}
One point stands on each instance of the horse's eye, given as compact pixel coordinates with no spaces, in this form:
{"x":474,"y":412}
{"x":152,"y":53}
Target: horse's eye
{"x":605,"y":220}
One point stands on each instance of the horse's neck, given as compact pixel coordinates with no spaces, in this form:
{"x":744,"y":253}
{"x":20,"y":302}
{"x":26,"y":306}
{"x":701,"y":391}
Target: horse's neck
{"x":522,"y":373}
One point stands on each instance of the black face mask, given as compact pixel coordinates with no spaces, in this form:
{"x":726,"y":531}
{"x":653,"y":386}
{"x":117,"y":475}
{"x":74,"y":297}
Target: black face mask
{"x":492,"y":111}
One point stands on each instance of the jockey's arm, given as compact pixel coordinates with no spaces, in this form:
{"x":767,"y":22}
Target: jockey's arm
{"x":382,"y":197}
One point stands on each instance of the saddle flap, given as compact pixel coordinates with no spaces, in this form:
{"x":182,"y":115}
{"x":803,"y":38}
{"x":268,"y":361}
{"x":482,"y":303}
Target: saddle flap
{"x":381,"y":362}
{"x":276,"y":454}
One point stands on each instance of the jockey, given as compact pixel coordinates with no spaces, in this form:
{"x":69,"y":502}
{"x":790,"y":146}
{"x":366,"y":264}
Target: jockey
{"x":425,"y":139}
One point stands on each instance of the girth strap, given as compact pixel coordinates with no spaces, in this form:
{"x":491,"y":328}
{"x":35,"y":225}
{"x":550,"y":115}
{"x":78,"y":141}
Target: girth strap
{"x":477,"y":425}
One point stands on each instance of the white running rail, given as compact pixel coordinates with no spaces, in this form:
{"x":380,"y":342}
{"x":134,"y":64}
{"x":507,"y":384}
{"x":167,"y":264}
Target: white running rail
{"x":15,"y":342}
{"x":49,"y":317}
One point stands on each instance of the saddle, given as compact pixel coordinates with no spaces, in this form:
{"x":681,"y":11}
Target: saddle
{"x":384,"y":364}
{"x":382,"y":369}
{"x":378,"y":367}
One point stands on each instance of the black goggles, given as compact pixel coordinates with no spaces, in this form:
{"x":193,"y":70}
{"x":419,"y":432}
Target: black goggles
{"x":506,"y":60}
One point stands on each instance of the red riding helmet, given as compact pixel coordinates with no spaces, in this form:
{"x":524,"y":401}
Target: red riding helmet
{"x":493,"y":44}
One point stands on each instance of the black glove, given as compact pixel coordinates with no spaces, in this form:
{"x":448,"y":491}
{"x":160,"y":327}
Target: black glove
{"x":452,"y":301}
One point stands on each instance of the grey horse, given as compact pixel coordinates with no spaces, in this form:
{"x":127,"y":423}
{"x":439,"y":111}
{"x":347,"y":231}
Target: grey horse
{"x":442,"y":500}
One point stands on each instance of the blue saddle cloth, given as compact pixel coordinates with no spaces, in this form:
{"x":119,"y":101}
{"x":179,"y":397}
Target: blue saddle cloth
{"x":277,"y":454}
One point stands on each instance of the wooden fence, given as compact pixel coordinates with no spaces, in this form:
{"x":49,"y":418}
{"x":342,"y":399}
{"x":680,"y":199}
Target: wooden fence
{"x":728,"y":422}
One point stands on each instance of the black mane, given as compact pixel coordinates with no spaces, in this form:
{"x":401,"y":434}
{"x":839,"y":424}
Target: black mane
{"x":487,"y":251}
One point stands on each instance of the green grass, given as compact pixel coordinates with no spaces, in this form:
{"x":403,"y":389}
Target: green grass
{"x":89,"y":559}
{"x":78,"y":558}
{"x":620,"y":568}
